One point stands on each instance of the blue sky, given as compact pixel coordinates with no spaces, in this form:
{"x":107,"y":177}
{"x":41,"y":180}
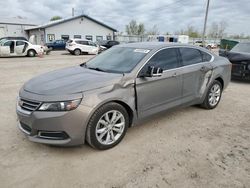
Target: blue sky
{"x":168,"y":15}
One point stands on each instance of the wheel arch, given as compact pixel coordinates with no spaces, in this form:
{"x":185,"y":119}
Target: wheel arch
{"x":220,"y":79}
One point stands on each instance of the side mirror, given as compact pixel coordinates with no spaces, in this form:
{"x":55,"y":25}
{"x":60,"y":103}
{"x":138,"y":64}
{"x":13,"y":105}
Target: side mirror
{"x":153,"y":72}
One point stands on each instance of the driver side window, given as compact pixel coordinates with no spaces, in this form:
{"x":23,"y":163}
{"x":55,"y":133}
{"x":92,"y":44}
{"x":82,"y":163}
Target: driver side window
{"x":165,"y":59}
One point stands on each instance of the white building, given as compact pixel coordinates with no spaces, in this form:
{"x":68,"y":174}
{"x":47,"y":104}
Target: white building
{"x":81,"y":26}
{"x":14,"y":27}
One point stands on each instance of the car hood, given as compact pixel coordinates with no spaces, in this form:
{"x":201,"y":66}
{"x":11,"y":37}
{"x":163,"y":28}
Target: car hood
{"x":70,"y":80}
{"x":238,"y":56}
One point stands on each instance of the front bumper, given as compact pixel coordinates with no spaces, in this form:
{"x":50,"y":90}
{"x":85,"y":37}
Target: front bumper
{"x":54,"y":128}
{"x":240,"y":71}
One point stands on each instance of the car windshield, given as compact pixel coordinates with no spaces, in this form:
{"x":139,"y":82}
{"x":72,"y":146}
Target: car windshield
{"x":117,"y":60}
{"x":2,"y":42}
{"x":242,"y":47}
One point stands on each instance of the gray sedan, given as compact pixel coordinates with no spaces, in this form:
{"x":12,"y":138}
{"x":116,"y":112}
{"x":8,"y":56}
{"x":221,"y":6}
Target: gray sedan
{"x":97,"y":101}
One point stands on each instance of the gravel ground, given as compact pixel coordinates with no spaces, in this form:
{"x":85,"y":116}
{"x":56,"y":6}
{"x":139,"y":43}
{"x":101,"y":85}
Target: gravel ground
{"x":190,"y":147}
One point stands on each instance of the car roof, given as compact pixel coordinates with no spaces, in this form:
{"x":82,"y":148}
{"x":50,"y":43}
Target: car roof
{"x":154,"y":45}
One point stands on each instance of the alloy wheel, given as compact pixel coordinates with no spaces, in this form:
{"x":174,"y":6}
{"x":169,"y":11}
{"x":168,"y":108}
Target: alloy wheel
{"x":214,"y":95}
{"x":110,"y":127}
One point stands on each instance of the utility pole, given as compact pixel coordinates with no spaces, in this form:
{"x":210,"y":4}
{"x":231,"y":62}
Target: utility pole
{"x":205,"y":25}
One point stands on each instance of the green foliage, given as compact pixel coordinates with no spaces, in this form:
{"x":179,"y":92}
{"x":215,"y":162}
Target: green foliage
{"x":55,"y":18}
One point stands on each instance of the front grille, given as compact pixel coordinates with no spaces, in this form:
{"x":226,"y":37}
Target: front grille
{"x":28,"y":104}
{"x":25,"y":127}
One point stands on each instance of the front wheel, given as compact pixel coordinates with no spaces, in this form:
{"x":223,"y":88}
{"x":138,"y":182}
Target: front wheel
{"x":107,"y":126}
{"x":213,"y":95}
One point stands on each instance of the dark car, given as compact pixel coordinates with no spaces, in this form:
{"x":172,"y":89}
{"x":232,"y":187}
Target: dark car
{"x":57,"y":45}
{"x":14,"y":38}
{"x":109,"y":44}
{"x":239,"y":56}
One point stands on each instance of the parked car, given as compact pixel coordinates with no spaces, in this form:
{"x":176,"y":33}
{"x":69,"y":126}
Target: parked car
{"x":79,"y":46}
{"x":198,"y":43}
{"x":239,"y":56}
{"x":211,"y":45}
{"x":19,"y":48}
{"x":108,"y":44}
{"x":57,"y":45}
{"x":98,"y":100}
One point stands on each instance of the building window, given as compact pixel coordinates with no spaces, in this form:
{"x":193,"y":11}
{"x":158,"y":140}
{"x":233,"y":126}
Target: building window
{"x":77,"y":36}
{"x":99,"y":38}
{"x":51,"y":37}
{"x":89,"y":37}
{"x":65,"y":37}
{"x":108,"y":37}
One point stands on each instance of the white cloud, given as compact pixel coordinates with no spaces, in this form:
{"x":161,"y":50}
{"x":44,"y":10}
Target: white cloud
{"x":169,"y":15}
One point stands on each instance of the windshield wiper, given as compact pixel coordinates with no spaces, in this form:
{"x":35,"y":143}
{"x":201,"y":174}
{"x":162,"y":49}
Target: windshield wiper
{"x":96,"y":68}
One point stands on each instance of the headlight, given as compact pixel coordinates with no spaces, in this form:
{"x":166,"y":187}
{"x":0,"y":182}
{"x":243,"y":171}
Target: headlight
{"x":60,"y":106}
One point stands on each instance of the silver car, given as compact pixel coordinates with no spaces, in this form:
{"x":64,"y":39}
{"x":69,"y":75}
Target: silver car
{"x":97,"y":101}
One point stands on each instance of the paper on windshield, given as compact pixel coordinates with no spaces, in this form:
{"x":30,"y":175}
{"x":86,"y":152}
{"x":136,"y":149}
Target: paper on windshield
{"x":142,"y":50}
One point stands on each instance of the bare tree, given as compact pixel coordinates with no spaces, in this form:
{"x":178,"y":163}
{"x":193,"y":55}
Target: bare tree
{"x":214,"y":30}
{"x":135,"y":29}
{"x":153,"y":31}
{"x":222,"y":27}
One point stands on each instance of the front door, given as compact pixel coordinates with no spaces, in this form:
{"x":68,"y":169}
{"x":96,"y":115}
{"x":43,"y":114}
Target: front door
{"x":196,"y":73}
{"x":155,"y":94}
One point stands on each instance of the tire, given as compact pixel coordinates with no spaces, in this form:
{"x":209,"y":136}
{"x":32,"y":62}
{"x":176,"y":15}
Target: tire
{"x":77,"y":52}
{"x":101,"y":132}
{"x":213,"y":96}
{"x":31,"y":53}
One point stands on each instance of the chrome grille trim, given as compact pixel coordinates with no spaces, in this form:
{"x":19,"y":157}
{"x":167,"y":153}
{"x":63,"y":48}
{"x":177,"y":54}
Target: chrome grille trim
{"x":29,"y":105}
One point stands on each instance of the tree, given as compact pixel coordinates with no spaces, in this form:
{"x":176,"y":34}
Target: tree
{"x":153,"y":31}
{"x":222,"y":27}
{"x":213,"y":32}
{"x":55,"y":18}
{"x":135,"y":29}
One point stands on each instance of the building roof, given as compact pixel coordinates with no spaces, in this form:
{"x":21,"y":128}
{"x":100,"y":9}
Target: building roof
{"x":53,"y":23}
{"x":17,"y":21}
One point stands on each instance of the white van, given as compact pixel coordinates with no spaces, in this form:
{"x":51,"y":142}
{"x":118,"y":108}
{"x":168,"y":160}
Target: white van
{"x":79,"y":46}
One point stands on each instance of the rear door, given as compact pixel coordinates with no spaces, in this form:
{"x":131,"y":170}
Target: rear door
{"x":196,"y":71}
{"x":84,"y":45}
{"x":20,"y":47}
{"x":155,"y":94}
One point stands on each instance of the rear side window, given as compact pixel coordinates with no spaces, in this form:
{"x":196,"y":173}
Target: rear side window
{"x":205,"y":56}
{"x":190,"y":56}
{"x":82,"y":42}
{"x":20,"y":43}
{"x":165,"y":59}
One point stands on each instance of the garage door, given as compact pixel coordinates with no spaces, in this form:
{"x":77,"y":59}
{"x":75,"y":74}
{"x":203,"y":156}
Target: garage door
{"x":2,"y":32}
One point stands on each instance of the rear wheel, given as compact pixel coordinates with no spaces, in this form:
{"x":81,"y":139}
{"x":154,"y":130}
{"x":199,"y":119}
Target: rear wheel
{"x":107,"y":126}
{"x":213,"y":95}
{"x":77,"y":52}
{"x":31,"y":53}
